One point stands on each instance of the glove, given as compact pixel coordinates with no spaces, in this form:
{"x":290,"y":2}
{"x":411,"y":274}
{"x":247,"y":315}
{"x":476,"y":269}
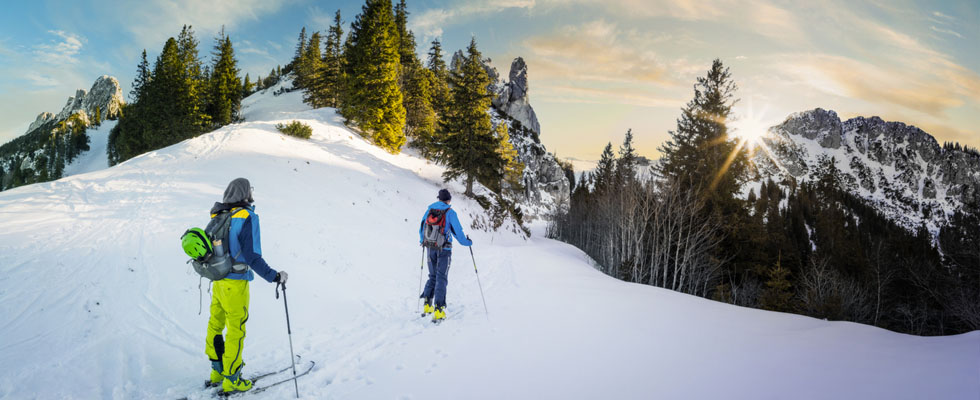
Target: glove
{"x":281,"y":277}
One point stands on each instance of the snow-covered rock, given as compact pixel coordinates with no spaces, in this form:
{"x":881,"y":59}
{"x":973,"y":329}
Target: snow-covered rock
{"x":42,"y":119}
{"x":105,"y":95}
{"x":899,"y":168}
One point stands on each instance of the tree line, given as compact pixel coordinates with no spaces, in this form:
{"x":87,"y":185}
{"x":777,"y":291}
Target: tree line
{"x":381,"y":87}
{"x":808,"y":248}
{"x":179,"y":97}
{"x":372,"y":75}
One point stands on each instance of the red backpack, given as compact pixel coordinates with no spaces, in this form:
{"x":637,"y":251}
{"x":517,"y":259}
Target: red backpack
{"x":435,"y":234}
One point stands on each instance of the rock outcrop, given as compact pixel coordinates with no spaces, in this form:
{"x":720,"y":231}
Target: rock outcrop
{"x":512,"y":98}
{"x":105,"y":95}
{"x":543,"y":179}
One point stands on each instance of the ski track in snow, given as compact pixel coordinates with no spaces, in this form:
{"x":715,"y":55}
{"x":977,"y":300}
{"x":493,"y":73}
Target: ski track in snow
{"x":98,"y":302}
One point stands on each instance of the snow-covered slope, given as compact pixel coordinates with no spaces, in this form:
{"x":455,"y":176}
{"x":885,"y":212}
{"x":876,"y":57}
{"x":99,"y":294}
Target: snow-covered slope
{"x":96,"y":158}
{"x":900,"y":169}
{"x":96,"y":300}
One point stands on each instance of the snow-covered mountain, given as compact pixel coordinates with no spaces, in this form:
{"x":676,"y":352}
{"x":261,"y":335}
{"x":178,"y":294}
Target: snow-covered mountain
{"x":51,"y":142}
{"x":900,"y":169}
{"x":96,"y":299}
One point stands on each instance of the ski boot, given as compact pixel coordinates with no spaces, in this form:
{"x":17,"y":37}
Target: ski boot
{"x":439,"y":315}
{"x":235,"y":383}
{"x":216,"y":378}
{"x":427,"y":308}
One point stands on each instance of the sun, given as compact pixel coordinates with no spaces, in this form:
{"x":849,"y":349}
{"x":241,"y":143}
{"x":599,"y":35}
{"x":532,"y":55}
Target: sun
{"x":751,"y":130}
{"x":750,"y":127}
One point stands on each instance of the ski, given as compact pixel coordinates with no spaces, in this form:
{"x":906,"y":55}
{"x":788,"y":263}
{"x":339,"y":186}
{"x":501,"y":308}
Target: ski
{"x":254,"y":378}
{"x":208,"y":384}
{"x":260,"y":389}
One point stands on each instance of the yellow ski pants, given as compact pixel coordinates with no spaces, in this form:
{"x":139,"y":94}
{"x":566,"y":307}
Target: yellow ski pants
{"x":229,"y":309}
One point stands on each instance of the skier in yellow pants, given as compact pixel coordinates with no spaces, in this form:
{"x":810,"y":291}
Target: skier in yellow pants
{"x":229,"y":296}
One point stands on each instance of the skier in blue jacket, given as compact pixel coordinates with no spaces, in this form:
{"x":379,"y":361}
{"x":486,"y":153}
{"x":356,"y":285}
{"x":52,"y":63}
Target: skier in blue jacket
{"x":442,"y":220}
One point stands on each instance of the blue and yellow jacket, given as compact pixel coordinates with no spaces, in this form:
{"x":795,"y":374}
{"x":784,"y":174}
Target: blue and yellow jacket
{"x":453,"y":228}
{"x":246,"y":245}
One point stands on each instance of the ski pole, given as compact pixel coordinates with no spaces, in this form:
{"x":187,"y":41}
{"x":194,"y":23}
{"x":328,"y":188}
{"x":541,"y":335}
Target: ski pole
{"x":480,"y":284}
{"x":289,"y":330}
{"x":418,"y":303}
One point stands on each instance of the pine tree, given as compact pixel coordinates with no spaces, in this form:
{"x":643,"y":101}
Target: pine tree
{"x":513,"y":169}
{"x":169,"y":101}
{"x":440,"y":79}
{"x":778,"y":294}
{"x":247,"y":86}
{"x":333,"y":63}
{"x":98,"y":117}
{"x":702,"y":156}
{"x":373,"y":100}
{"x":311,"y":68}
{"x":259,"y":83}
{"x":700,"y":152}
{"x":604,"y":174}
{"x":225,"y":95}
{"x":300,"y":47}
{"x":142,"y":79}
{"x":420,"y":118}
{"x":406,"y":40}
{"x":470,"y":147}
{"x":626,"y":165}
{"x":191,"y":88}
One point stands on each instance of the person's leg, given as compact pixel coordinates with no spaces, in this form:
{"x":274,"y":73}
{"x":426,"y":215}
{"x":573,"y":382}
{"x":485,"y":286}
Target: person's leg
{"x":442,"y":277}
{"x":430,"y":284}
{"x":235,"y":297}
{"x":214,"y":341}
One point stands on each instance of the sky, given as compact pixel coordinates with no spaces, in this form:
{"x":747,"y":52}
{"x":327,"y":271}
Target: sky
{"x":595,"y":67}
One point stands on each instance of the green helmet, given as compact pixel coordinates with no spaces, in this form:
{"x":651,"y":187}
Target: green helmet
{"x":196,"y":244}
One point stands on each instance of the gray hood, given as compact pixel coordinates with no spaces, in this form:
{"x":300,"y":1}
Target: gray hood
{"x":238,"y":191}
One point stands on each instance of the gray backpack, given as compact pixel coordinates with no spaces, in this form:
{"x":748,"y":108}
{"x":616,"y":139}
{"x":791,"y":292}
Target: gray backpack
{"x":435,"y":233}
{"x":220,"y":263}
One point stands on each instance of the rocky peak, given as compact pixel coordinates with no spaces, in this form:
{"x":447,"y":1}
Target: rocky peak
{"x":897,"y":167}
{"x":42,"y":118}
{"x":512,"y":97}
{"x":543,"y":180}
{"x":105,"y":95}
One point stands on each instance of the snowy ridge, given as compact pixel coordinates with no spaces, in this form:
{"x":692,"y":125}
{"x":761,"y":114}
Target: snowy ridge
{"x":898,"y":168}
{"x":97,"y":301}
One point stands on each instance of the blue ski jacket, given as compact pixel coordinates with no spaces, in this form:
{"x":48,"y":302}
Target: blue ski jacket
{"x":454,"y":229}
{"x":246,"y":246}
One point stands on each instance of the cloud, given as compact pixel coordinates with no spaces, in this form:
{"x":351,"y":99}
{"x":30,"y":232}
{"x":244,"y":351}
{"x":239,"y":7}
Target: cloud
{"x":943,"y":16}
{"x":59,"y":52}
{"x":430,"y":23}
{"x":321,"y":20}
{"x":946,"y":31}
{"x":597,"y":51}
{"x":845,"y":77}
{"x":886,"y":68}
{"x":41,"y":80}
{"x":151,"y":22}
{"x":625,"y":96}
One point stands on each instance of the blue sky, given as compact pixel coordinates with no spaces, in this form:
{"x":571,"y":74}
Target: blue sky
{"x":596,"y":68}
